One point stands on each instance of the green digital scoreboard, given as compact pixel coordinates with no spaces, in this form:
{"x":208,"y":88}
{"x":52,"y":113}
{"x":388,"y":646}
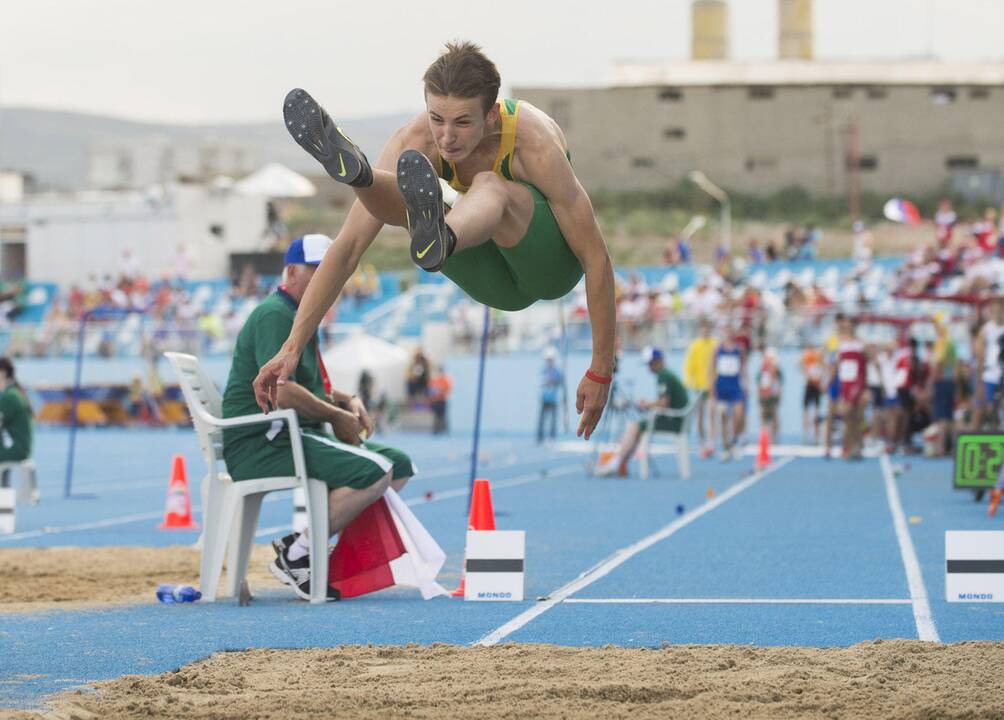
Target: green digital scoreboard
{"x":978,"y":460}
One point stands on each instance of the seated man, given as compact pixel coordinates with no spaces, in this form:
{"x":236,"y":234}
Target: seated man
{"x":357,"y":473}
{"x":672,"y":395}
{"x":15,"y":421}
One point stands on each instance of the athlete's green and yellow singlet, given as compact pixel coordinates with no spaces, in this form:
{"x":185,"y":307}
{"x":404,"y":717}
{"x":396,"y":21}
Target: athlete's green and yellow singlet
{"x":508,"y":114}
{"x":540,"y":267}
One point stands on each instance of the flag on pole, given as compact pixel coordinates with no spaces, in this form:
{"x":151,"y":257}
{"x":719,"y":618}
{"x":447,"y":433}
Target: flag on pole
{"x":903,"y":211}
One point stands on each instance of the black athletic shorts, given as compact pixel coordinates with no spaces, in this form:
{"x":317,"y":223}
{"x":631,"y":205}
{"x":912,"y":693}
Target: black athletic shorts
{"x":812,"y":395}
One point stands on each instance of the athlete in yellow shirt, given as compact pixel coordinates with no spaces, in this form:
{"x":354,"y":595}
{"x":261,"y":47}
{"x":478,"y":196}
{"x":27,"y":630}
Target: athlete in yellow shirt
{"x":697,"y":378}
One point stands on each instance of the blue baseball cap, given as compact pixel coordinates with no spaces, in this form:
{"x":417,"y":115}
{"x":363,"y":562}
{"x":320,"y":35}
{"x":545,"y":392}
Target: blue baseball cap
{"x":307,"y":250}
{"x":651,"y":354}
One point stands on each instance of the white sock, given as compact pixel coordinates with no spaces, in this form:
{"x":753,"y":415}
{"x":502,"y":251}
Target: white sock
{"x":299,"y":548}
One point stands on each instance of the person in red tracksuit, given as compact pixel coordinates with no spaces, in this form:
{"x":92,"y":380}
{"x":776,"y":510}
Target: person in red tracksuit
{"x":852,"y":373}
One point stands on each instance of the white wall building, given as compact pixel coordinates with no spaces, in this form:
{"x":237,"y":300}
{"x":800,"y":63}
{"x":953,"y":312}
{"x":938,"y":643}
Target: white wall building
{"x":139,"y":163}
{"x":67,"y":238}
{"x":11,"y":186}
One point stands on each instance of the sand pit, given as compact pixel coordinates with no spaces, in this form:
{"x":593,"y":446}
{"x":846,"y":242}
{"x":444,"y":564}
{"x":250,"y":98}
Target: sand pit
{"x":69,"y":577}
{"x":889,"y":680}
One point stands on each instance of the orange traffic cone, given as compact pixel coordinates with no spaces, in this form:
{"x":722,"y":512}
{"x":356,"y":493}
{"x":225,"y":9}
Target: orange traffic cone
{"x":178,"y":510}
{"x":482,"y":517}
{"x":763,"y":457}
{"x":996,"y":495}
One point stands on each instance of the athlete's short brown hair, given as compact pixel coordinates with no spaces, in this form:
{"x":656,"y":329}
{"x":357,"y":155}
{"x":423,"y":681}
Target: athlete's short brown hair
{"x":463,"y":71}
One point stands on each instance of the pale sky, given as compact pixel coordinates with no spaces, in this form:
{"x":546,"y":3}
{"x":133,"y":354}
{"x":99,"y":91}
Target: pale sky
{"x":196,"y":61}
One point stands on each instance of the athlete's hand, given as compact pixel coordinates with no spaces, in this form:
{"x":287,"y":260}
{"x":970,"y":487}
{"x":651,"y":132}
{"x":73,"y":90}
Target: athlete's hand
{"x":357,"y":408}
{"x":590,"y":399}
{"x":347,"y":427}
{"x":271,"y":375}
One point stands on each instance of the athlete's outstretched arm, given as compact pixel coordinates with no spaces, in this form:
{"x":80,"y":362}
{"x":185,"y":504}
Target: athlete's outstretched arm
{"x":549,"y":169}
{"x":340,"y":261}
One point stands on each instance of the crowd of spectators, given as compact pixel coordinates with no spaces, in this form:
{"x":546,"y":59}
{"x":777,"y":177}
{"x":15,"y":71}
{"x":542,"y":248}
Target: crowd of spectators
{"x":663,"y":315}
{"x":173,"y":311}
{"x":362,"y":286}
{"x":964,"y":258}
{"x":796,"y":243}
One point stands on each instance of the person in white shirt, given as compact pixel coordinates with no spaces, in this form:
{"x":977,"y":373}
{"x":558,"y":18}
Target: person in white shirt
{"x":988,"y":352}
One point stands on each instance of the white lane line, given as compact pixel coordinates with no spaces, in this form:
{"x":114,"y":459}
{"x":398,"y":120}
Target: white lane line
{"x":914,"y":578}
{"x":738,"y":601}
{"x":604,"y":567}
{"x":109,"y":522}
{"x":122,"y":520}
{"x":274,"y":530}
{"x":273,"y":497}
{"x":750,"y":449}
{"x":464,"y":467}
{"x":459,"y":492}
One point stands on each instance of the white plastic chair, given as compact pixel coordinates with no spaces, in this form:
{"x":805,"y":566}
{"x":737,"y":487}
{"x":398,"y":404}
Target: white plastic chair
{"x":27,"y":488}
{"x":680,"y":438}
{"x":231,"y":508}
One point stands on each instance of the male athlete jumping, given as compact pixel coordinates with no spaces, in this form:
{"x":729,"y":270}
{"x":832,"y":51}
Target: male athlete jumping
{"x":522,"y":230}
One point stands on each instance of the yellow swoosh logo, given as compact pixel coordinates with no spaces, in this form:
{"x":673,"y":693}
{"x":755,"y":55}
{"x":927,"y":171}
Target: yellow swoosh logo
{"x":341,"y":162}
{"x":426,"y":251}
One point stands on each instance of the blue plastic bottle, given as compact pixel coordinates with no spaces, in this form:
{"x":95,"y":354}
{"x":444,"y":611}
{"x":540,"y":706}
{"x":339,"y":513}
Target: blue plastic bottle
{"x":177,"y":594}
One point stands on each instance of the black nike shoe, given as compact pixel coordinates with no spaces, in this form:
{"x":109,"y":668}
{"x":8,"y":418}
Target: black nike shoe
{"x":282,"y":544}
{"x":432,"y":240}
{"x":296,"y":574}
{"x":314,"y":130}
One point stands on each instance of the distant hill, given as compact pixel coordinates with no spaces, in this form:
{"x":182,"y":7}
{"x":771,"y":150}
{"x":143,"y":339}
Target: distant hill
{"x":52,"y":145}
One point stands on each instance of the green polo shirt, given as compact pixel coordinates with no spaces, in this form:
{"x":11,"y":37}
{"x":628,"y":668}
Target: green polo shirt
{"x":670,"y":387}
{"x":15,"y":425}
{"x":264,"y":332}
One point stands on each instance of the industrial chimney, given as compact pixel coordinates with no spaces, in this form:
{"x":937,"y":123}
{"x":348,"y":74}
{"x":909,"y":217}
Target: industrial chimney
{"x":794,"y":38}
{"x":710,"y":38}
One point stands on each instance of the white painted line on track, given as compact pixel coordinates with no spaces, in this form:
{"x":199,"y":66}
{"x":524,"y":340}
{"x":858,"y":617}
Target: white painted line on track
{"x":462,"y":466}
{"x":604,"y":567}
{"x":274,"y":530}
{"x":748,"y":449}
{"x":914,"y":578}
{"x":738,"y":601}
{"x":110,"y":522}
{"x":459,"y":492}
{"x":274,"y":497}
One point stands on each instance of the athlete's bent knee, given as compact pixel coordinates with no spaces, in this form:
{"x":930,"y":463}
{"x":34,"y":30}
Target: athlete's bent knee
{"x":487,"y":179}
{"x":488,"y":182}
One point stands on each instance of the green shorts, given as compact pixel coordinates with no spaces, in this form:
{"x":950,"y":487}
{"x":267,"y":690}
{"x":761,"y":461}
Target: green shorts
{"x":768,"y":407}
{"x":540,"y":267}
{"x":663,"y":424}
{"x":336,"y":463}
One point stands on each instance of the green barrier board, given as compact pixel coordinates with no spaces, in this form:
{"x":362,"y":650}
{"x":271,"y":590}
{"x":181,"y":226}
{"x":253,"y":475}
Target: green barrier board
{"x":978,"y":460}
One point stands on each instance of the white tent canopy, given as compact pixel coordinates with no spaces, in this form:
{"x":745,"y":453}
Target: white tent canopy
{"x":275,"y":180}
{"x":386,"y":362}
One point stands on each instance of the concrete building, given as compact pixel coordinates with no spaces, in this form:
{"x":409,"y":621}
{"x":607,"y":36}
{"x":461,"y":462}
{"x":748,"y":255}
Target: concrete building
{"x":67,"y":238}
{"x":904,"y":127}
{"x":138,"y":163}
{"x":11,"y":186}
